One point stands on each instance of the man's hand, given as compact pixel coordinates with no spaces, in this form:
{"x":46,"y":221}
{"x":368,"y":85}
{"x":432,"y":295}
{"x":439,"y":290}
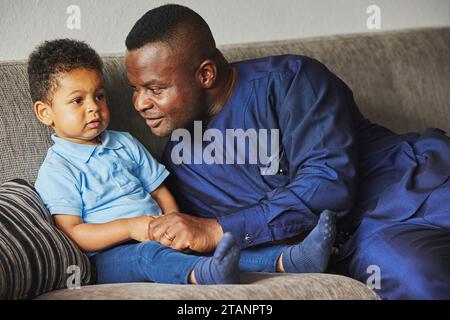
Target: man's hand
{"x":138,"y":227}
{"x":185,"y":232}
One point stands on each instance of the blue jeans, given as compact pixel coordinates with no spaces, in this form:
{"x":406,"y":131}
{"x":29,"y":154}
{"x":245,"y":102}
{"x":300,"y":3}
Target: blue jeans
{"x":151,"y":261}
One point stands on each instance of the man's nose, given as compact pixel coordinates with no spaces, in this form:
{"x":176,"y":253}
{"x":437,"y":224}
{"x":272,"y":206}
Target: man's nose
{"x":142,"y":102}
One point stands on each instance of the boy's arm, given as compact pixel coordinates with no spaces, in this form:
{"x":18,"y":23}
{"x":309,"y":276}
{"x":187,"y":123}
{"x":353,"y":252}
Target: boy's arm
{"x":94,"y":237}
{"x":165,"y":199}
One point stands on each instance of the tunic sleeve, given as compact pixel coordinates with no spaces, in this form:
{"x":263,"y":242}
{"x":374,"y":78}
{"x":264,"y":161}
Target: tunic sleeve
{"x":317,"y":137}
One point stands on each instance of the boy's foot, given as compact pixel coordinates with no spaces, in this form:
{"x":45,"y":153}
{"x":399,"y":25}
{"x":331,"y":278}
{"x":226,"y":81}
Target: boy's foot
{"x":313,"y":253}
{"x":223,"y":266}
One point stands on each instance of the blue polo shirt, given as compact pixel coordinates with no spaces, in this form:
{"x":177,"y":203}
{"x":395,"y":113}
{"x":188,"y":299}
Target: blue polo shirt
{"x":100,"y":183}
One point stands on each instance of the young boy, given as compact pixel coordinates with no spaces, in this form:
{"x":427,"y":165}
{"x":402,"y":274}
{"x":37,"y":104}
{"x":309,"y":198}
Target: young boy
{"x":103,"y":187}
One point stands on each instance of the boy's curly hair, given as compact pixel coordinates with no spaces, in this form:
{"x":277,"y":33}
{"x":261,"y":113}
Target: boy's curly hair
{"x":52,"y":58}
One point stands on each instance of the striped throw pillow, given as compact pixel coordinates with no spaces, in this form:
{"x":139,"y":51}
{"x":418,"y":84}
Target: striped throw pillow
{"x":35,"y":256}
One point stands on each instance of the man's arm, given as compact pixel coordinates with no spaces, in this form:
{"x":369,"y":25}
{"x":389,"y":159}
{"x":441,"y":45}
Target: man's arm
{"x":318,"y":137}
{"x":94,"y":237}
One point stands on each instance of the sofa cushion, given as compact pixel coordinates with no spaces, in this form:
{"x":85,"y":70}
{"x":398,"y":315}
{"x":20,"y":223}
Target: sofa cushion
{"x":255,"y":286}
{"x":34,"y":254}
{"x":399,"y":78}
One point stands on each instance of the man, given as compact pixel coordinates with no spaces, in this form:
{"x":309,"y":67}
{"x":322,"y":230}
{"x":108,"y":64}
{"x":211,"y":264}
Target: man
{"x":398,"y":220}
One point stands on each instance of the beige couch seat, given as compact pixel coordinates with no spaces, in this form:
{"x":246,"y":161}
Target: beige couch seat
{"x":254,"y":286}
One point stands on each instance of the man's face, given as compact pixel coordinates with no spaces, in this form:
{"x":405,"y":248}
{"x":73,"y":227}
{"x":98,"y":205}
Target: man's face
{"x":166,"y":92}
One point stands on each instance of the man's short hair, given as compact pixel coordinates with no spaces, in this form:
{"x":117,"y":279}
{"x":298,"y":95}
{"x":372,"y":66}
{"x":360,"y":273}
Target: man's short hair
{"x":53,"y":58}
{"x":162,"y":24}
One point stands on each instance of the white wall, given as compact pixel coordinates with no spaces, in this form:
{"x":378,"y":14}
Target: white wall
{"x":105,"y":23}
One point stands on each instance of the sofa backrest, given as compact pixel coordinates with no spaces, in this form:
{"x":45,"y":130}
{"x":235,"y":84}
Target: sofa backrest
{"x":400,"y":79}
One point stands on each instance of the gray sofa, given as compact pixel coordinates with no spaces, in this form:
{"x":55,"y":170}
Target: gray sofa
{"x":400,"y":79}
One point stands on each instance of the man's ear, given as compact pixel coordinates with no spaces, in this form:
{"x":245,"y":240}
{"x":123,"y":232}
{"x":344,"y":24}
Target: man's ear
{"x":44,"y":113}
{"x":207,"y":74}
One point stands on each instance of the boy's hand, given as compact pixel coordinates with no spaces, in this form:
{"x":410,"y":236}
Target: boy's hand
{"x":138,"y":227}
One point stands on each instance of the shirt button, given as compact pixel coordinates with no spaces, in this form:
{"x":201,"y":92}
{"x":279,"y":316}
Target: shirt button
{"x":248,"y":238}
{"x":114,"y":166}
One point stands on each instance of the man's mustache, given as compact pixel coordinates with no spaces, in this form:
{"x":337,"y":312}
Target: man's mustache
{"x":151,"y":115}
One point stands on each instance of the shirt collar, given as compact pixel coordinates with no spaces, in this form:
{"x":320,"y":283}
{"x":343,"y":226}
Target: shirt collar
{"x":83,"y":152}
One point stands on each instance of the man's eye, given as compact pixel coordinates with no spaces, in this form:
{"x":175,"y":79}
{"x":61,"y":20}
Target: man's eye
{"x":156,"y":91}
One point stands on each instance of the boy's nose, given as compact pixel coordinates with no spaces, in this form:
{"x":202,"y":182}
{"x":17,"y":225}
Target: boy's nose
{"x":92,"y":107}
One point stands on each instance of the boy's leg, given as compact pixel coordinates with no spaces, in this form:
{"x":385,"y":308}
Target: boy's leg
{"x":143,"y":262}
{"x":223,"y":266}
{"x":313,"y":253}
{"x":263,"y":258}
{"x":151,"y":261}
{"x":310,"y":255}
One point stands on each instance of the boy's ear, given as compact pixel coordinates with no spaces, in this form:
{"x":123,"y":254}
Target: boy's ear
{"x":44,"y":113}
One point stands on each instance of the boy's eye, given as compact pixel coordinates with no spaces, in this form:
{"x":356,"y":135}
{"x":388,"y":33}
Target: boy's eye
{"x":77,"y":101}
{"x":100,"y":97}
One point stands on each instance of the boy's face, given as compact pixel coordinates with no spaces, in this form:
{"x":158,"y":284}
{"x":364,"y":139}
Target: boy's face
{"x":78,"y":111}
